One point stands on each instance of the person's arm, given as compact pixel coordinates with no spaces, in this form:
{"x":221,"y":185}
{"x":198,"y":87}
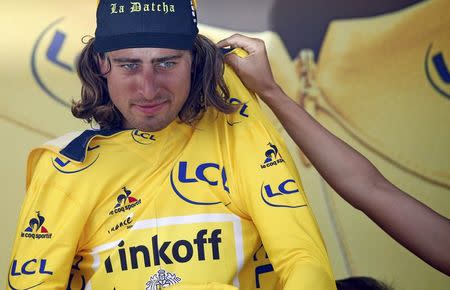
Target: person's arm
{"x":414,"y":225}
{"x":47,"y":235}
{"x":264,"y":187}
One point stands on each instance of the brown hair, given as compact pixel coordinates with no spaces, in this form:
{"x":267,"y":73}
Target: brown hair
{"x":208,"y":87}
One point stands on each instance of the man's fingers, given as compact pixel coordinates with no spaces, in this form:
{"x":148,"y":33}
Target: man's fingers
{"x":232,"y":41}
{"x":232,"y":60}
{"x":237,"y":40}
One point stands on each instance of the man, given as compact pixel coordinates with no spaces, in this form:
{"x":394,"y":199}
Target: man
{"x":185,"y":185}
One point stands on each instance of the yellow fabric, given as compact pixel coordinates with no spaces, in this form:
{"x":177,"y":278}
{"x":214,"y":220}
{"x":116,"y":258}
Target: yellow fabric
{"x":379,"y":77}
{"x":184,"y":206}
{"x":378,"y":99}
{"x":283,"y":67}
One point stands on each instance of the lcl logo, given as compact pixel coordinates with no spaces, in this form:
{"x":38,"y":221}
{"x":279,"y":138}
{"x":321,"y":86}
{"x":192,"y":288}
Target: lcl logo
{"x":31,"y":267}
{"x":53,"y":61}
{"x":283,"y":194}
{"x":193,"y":183}
{"x":143,"y":138}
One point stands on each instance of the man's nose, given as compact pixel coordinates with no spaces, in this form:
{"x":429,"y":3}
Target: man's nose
{"x":148,"y":83}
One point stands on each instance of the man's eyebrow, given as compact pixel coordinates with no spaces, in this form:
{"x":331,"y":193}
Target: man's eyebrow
{"x":127,"y":60}
{"x":138,"y":60}
{"x":166,"y":58}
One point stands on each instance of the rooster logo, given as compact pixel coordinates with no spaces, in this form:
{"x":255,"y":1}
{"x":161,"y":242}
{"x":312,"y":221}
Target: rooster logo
{"x":271,"y":154}
{"x":124,"y":197}
{"x":36,"y":224}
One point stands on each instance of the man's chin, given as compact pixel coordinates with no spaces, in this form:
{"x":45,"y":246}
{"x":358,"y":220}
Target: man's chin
{"x":155,"y":127}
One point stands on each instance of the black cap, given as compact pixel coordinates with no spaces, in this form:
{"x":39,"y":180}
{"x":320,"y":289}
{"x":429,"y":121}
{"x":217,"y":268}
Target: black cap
{"x":145,"y":23}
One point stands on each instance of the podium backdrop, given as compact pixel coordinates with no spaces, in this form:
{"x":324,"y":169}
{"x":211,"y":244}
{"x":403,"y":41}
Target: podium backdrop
{"x":380,"y":83}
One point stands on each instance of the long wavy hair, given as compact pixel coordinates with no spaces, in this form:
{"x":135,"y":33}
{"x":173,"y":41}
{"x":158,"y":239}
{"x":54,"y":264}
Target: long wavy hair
{"x":208,"y":87}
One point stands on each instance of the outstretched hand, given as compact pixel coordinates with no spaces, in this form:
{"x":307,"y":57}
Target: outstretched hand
{"x":254,"y":70}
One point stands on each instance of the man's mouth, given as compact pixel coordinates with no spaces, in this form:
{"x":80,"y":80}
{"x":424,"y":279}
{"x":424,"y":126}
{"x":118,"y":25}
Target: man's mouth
{"x":150,"y":108}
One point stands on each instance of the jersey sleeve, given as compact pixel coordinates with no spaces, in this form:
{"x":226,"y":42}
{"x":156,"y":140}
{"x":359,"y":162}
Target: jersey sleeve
{"x":267,"y":189}
{"x":48,"y":231}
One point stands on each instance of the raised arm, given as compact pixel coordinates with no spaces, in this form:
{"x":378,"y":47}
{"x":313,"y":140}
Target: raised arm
{"x":414,"y":225}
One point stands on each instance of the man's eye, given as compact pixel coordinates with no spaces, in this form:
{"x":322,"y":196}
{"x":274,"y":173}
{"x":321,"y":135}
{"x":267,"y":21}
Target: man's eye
{"x":130,"y":66}
{"x":166,"y":64}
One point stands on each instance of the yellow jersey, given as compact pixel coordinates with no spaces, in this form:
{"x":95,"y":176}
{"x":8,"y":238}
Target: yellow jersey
{"x":218,"y":205}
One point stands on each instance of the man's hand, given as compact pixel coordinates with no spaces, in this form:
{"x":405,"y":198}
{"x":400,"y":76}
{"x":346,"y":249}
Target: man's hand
{"x":254,"y":70}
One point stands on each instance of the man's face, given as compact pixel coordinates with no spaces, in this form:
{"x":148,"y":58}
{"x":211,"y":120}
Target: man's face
{"x":148,"y":85}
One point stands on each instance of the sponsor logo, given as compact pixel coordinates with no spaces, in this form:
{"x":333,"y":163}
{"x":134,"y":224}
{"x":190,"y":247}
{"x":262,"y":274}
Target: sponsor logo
{"x":55,"y":53}
{"x":136,"y":6}
{"x":28,"y":268}
{"x":128,"y":223}
{"x":125,"y":202}
{"x":279,"y":196}
{"x":202,"y":240}
{"x":273,"y":157}
{"x":243,"y":111}
{"x":68,"y":167}
{"x":36,"y":229}
{"x":162,"y":279}
{"x":210,"y":174}
{"x":437,"y":71}
{"x":143,"y":138}
{"x":166,"y":252}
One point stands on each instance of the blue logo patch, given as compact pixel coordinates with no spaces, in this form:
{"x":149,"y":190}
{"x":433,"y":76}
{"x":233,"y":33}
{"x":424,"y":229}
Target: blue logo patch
{"x":198,"y":182}
{"x":279,"y":195}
